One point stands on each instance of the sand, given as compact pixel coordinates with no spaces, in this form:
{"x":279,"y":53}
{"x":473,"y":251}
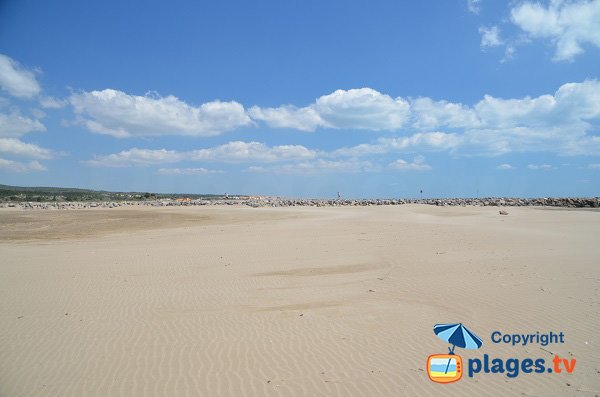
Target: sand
{"x":228,"y":301}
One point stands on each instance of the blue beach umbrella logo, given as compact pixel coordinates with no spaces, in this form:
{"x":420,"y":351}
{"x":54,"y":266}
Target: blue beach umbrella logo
{"x":448,"y":368}
{"x":457,"y":335}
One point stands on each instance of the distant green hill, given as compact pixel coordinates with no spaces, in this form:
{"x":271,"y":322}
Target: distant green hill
{"x":44,"y":189}
{"x":40,"y":193}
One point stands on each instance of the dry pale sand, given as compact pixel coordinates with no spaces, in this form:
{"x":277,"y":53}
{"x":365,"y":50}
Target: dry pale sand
{"x":290,"y":302}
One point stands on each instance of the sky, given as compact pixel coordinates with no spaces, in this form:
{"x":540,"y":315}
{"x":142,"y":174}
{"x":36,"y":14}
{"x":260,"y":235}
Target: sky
{"x":458,"y":98}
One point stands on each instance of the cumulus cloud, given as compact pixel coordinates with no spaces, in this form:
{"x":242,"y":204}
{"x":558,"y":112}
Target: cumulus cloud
{"x":16,"y":166}
{"x":490,"y":37}
{"x":563,"y":123}
{"x":49,"y":102}
{"x":15,"y":147}
{"x":238,"y":151}
{"x":418,"y":164}
{"x":420,"y":140}
{"x":558,"y":122}
{"x":569,"y":25}
{"x":430,"y":114}
{"x":135,"y":156}
{"x":303,"y":119}
{"x":16,"y":80}
{"x":474,"y":6}
{"x":571,"y":111}
{"x":14,"y":125}
{"x":187,"y":171}
{"x":318,"y":166}
{"x":509,"y":53}
{"x":584,"y":146}
{"x":544,"y":167}
{"x":505,"y":167}
{"x":122,"y":115}
{"x":362,"y":109}
{"x":232,"y":152}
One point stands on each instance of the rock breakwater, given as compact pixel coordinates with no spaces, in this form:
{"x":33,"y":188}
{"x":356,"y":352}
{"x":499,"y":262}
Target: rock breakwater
{"x":267,"y":201}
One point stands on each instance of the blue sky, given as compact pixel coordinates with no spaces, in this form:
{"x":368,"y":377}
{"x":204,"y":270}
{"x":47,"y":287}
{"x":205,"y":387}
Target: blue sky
{"x":303,"y":98}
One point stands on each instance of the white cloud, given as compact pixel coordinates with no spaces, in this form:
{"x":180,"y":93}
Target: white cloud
{"x":238,"y":151}
{"x":418,"y":164}
{"x":187,"y":171}
{"x":16,"y":80}
{"x":569,"y":25}
{"x":505,"y":167}
{"x":303,"y":119}
{"x":38,"y":113}
{"x":557,"y":122}
{"x":540,"y":167}
{"x":474,"y":6}
{"x":560,"y":122}
{"x":15,"y":125}
{"x":17,"y":148}
{"x":494,"y":142}
{"x":430,"y":114}
{"x":509,"y":53}
{"x":505,"y":113}
{"x":584,"y":146}
{"x":490,"y":37}
{"x":122,"y":115}
{"x":595,"y":166}
{"x":136,"y":156}
{"x":420,"y":140}
{"x":563,"y":123}
{"x":578,"y":101}
{"x":318,"y":166}
{"x":362,"y":109}
{"x":16,"y":166}
{"x":232,"y":152}
{"x":49,"y":102}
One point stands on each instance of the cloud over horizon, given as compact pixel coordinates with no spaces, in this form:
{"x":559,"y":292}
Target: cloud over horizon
{"x":188,"y":171}
{"x":231,"y":152}
{"x":501,"y":125}
{"x":360,"y":109}
{"x":115,"y":113}
{"x":21,"y":84}
{"x":21,"y":167}
{"x":418,"y":164}
{"x":560,"y":123}
{"x":14,"y":125}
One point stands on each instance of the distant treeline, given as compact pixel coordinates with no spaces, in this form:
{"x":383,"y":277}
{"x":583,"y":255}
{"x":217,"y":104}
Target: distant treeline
{"x":45,"y":194}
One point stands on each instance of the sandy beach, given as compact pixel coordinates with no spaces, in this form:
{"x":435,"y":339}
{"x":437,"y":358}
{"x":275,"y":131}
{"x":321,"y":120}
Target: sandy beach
{"x":238,"y":301}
